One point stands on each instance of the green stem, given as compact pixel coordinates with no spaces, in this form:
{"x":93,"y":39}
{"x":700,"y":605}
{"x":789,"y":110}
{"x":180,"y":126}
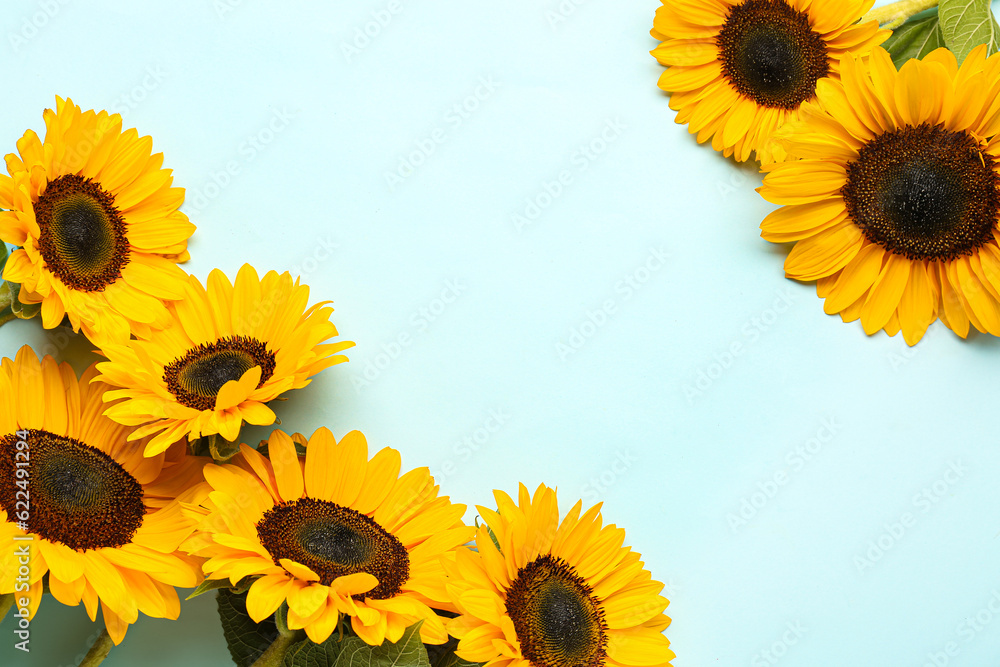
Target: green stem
{"x":275,"y":653}
{"x":6,"y":602}
{"x":894,"y":15}
{"x":99,"y":651}
{"x":6,"y":316}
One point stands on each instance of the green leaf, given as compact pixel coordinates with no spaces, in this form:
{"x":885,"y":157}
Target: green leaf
{"x":352,"y":651}
{"x":965,"y":24}
{"x":914,"y":39}
{"x":437,"y":654}
{"x":3,"y":255}
{"x":208,"y":585}
{"x":247,"y":640}
{"x":214,"y":584}
{"x":449,"y":659}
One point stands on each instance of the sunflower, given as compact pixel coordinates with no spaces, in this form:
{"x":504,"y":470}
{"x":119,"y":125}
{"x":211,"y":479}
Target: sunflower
{"x":333,"y":533}
{"x":98,"y":224}
{"x":103,"y":522}
{"x":545,"y":594}
{"x":895,"y":205}
{"x":225,"y":352}
{"x":739,"y":69}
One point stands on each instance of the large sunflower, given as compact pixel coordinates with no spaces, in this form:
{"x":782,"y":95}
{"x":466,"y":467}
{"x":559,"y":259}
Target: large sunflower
{"x":103,"y":522}
{"x":739,"y":69}
{"x":543,"y":594}
{"x":98,"y":224}
{"x":896,"y":203}
{"x":226,"y":352}
{"x":335,"y":533}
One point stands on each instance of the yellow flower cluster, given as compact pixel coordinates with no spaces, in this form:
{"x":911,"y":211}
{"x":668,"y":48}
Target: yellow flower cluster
{"x":100,"y":480}
{"x":889,"y":179}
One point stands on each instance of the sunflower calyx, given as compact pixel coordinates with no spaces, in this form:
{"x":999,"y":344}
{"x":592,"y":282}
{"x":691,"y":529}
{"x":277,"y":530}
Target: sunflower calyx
{"x":492,"y":535}
{"x":10,"y":306}
{"x":8,"y":290}
{"x":300,"y":445}
{"x":221,"y":449}
{"x":22,"y":311}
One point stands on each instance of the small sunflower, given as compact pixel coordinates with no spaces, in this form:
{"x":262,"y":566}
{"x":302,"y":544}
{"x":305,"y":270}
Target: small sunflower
{"x":103,"y":522}
{"x":97,"y":221}
{"x":543,"y":594}
{"x":895,"y":205}
{"x":334,"y":533}
{"x":740,"y":69}
{"x":225,"y":352}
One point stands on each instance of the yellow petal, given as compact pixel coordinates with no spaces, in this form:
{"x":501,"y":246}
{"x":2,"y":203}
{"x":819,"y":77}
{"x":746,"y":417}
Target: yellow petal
{"x":885,"y":294}
{"x":266,"y":595}
{"x":287,"y":468}
{"x":638,"y":646}
{"x":235,"y":392}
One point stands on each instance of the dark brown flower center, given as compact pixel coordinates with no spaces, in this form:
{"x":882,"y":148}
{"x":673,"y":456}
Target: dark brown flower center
{"x":558,"y":621}
{"x":924,"y":192}
{"x":771,"y":54}
{"x":196,"y":378}
{"x":69,"y":492}
{"x":82,"y":235}
{"x":335,"y":541}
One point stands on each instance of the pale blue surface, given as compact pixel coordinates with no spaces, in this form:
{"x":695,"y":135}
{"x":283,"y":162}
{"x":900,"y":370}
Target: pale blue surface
{"x":673,"y":466}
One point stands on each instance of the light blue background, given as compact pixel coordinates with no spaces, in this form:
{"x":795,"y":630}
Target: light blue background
{"x":617,"y":420}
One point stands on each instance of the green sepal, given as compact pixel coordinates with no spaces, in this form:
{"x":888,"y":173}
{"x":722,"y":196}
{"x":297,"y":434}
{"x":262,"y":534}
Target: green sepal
{"x":25,"y":311}
{"x":352,"y":651}
{"x":10,"y":307}
{"x":221,"y":449}
{"x":244,"y":584}
{"x":493,"y":536}
{"x":300,"y":449}
{"x":246,"y":640}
